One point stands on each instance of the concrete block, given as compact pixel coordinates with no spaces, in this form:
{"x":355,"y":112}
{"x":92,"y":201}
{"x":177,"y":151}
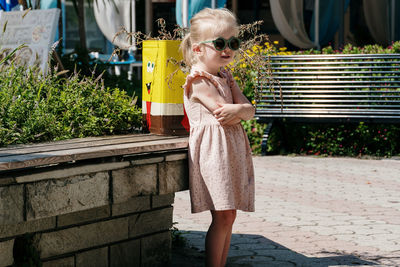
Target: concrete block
{"x":83,"y":216}
{"x":174,"y":157}
{"x":83,"y":237}
{"x":136,"y":181}
{"x":71,"y":171}
{"x":156,"y":250}
{"x":150,"y":222}
{"x":125,"y":254}
{"x":55,"y":197}
{"x":64,"y":262}
{"x":7,"y":181}
{"x":144,"y":161}
{"x":11,"y":204}
{"x":6,"y":253}
{"x":93,"y":258}
{"x":162,"y":200}
{"x":15,"y":229}
{"x":173,"y":176}
{"x":132,"y":205}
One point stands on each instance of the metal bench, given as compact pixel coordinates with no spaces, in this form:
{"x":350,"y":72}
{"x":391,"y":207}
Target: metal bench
{"x":345,"y":88}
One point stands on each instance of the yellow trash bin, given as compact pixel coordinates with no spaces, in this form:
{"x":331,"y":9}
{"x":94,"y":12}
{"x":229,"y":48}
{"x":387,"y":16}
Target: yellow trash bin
{"x":162,"y":104}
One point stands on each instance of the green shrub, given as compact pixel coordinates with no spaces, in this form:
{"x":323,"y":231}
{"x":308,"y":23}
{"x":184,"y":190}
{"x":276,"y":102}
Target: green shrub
{"x":254,"y":132}
{"x":354,"y":139}
{"x":37,"y":108}
{"x":87,"y":67}
{"x":335,"y":139}
{"x":351,"y":49}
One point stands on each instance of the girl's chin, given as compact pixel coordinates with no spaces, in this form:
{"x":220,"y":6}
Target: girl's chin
{"x":226,"y":60}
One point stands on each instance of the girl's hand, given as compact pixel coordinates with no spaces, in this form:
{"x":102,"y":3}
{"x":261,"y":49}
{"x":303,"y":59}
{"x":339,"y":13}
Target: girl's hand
{"x":227,"y":114}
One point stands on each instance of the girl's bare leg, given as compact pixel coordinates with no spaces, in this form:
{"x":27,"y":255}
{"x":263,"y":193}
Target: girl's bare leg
{"x":227,"y":242}
{"x":217,"y":237}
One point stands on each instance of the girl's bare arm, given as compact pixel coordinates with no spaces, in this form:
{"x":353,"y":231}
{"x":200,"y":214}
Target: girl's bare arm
{"x":206,"y":93}
{"x":242,"y":108}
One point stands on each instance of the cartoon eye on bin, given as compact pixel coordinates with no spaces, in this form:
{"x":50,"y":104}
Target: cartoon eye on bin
{"x":150,"y":66}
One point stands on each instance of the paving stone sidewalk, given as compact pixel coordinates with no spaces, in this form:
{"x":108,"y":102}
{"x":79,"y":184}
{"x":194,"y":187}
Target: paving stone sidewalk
{"x":309,"y":212}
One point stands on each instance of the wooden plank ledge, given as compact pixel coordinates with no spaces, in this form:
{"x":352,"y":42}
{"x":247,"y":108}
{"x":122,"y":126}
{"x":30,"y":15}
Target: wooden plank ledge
{"x":27,"y":156}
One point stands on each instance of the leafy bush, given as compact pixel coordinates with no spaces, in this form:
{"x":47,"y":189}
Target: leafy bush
{"x":86,"y":67}
{"x":351,"y":49}
{"x":359,"y":139}
{"x":244,"y":72}
{"x":254,"y":132}
{"x":37,"y":108}
{"x":335,"y":139}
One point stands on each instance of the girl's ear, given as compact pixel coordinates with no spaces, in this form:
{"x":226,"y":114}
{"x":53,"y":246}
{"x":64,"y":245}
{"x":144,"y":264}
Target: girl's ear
{"x":196,"y":48}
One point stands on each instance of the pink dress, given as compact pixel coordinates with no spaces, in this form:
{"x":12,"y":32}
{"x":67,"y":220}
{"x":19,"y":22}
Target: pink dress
{"x":221,"y":174}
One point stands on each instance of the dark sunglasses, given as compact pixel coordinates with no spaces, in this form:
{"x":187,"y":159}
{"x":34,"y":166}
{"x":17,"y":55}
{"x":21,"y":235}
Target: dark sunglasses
{"x":220,"y":43}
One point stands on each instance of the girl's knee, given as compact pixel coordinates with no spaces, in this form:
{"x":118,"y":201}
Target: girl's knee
{"x":232,"y":215}
{"x":225,"y":217}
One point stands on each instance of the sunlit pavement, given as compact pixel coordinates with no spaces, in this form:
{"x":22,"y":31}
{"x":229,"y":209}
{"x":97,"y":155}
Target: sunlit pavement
{"x":310,"y":211}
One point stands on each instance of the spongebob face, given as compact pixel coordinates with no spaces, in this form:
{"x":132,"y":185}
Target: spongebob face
{"x":162,"y":103}
{"x":150,"y":66}
{"x":150,"y":69}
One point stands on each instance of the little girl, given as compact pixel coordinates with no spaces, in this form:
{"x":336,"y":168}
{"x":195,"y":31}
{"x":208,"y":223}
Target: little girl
{"x":220,"y":164}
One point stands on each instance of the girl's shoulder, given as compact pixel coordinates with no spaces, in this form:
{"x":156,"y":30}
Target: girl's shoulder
{"x":228,"y":76}
{"x":200,"y":76}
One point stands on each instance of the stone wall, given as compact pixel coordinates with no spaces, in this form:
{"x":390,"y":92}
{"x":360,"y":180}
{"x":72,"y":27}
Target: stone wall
{"x":113,"y":211}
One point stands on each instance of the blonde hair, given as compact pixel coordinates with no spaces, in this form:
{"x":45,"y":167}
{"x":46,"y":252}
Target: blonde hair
{"x":207,"y":21}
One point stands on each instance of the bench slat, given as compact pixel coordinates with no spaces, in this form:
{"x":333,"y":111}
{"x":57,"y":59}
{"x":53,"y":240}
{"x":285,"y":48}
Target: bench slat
{"x":277,"y":92}
{"x":334,"y":117}
{"x":361,"y":97}
{"x":68,"y":155}
{"x":80,"y":143}
{"x":333,"y":86}
{"x":285,"y":63}
{"x":68,"y":141}
{"x":327,"y":105}
{"x":334,"y":67}
{"x":332,"y":111}
{"x":334,"y":57}
{"x":338,"y":82}
{"x":343,"y":115}
{"x":311,"y":77}
{"x":331,"y":72}
{"x":327,"y":101}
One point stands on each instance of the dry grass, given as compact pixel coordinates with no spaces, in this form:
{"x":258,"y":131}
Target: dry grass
{"x":254,"y":54}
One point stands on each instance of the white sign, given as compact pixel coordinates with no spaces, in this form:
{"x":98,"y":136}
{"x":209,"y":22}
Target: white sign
{"x":36,"y":29}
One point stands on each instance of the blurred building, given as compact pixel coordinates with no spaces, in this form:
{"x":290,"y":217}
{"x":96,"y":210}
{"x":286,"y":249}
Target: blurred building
{"x":291,"y":23}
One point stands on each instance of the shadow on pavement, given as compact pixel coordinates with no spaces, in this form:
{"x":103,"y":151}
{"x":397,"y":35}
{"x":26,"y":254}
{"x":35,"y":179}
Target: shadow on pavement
{"x":256,"y":250}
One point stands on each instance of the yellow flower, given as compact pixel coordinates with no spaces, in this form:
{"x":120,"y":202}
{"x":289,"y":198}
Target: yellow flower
{"x":276,"y":42}
{"x":282,"y":48}
{"x":256,"y":48}
{"x":253,"y":102}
